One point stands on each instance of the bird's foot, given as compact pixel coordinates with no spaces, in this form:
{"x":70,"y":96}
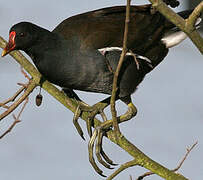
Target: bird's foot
{"x":97,"y":138}
{"x":98,"y":108}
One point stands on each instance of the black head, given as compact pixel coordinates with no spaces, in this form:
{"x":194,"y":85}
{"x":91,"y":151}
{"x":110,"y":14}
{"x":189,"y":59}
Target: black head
{"x":22,"y":36}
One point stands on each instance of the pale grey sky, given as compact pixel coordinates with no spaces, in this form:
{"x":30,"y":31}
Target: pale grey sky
{"x":45,"y":145}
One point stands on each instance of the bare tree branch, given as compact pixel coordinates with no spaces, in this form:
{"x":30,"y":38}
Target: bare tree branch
{"x":3,"y":104}
{"x":17,"y":120}
{"x":177,"y":168}
{"x":10,"y":128}
{"x":27,"y":92}
{"x":116,"y":74}
{"x":185,"y":157}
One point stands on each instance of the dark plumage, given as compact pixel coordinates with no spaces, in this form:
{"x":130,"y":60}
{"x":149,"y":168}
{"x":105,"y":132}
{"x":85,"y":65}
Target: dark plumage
{"x":69,"y":55}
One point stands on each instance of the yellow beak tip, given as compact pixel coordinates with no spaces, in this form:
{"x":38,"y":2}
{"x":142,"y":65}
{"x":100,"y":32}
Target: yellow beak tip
{"x":3,"y":53}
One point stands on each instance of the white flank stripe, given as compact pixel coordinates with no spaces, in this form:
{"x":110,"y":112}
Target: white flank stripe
{"x":108,"y":49}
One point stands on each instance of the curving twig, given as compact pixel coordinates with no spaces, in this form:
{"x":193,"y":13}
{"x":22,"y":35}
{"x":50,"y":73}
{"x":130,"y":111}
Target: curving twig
{"x":115,"y":79}
{"x":177,"y":168}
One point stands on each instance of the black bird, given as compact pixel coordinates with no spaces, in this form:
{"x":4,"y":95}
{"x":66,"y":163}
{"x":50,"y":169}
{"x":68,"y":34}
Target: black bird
{"x":82,"y":52}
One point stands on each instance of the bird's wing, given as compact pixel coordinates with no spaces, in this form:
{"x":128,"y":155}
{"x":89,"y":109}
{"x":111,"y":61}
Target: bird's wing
{"x":105,"y":27}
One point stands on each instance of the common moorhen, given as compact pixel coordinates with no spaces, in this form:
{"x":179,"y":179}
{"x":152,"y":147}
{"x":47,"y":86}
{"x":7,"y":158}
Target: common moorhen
{"x":82,"y":52}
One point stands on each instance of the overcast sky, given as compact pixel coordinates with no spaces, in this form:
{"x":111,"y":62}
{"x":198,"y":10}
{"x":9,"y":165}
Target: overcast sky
{"x":45,"y":145}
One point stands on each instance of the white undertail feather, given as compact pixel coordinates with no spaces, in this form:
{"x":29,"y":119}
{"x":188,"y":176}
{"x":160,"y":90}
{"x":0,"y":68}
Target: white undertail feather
{"x":175,"y":36}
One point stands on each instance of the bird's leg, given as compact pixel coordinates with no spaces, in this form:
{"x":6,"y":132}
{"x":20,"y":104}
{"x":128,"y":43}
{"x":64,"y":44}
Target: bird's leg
{"x":71,"y":94}
{"x":97,"y":108}
{"x":132,"y":110}
{"x":98,"y":134}
{"x":101,"y":130}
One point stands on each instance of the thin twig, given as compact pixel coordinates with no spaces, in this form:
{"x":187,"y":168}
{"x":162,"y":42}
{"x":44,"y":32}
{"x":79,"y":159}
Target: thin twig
{"x":22,"y":109}
{"x":27,"y":92}
{"x":175,"y":169}
{"x":10,"y":128}
{"x":24,"y":73}
{"x":185,"y":157}
{"x":3,"y":104}
{"x":17,"y":120}
{"x":115,"y":79}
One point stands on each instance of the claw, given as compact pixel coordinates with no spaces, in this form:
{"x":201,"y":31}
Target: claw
{"x":75,"y":122}
{"x":106,"y":158}
{"x":98,"y":149}
{"x":89,"y":126}
{"x":91,"y":157}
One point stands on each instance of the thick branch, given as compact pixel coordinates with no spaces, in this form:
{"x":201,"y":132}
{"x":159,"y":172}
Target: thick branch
{"x":193,"y":17}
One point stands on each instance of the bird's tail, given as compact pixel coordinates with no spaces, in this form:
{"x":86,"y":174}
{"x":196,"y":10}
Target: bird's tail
{"x":173,"y":35}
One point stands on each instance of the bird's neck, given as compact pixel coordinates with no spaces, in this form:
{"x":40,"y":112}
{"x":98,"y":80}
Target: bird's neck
{"x":46,"y":41}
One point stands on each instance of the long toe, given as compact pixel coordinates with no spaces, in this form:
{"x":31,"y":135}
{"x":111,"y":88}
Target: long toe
{"x":99,"y":148}
{"x":75,"y":122}
{"x":91,"y":156}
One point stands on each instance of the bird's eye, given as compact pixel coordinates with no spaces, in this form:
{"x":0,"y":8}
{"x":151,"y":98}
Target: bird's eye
{"x":22,"y":34}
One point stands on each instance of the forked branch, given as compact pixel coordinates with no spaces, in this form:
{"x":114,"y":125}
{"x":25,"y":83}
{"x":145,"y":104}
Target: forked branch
{"x":16,"y":119}
{"x":16,"y":103}
{"x":188,"y":25}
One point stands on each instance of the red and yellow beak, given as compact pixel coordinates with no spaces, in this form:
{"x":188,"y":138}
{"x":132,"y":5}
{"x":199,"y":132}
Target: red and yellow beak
{"x":11,"y":44}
